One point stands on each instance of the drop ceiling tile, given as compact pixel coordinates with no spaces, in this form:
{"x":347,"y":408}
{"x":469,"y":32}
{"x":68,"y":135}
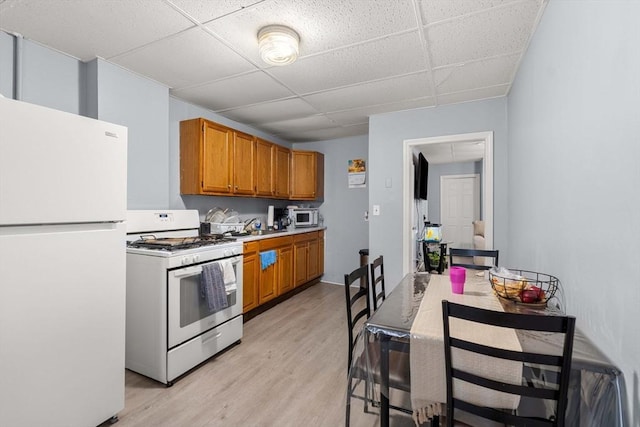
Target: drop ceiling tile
{"x":271,"y":111}
{"x":478,"y":74}
{"x":391,"y":56}
{"x":86,"y":29}
{"x":472,"y":95}
{"x":361,"y":115}
{"x":453,"y":153}
{"x":317,"y":121}
{"x":315,"y":20}
{"x":439,"y":10}
{"x":505,"y":30}
{"x":327,"y":133}
{"x":233,"y":92}
{"x":194,"y":46}
{"x":373,"y":93}
{"x":206,"y":10}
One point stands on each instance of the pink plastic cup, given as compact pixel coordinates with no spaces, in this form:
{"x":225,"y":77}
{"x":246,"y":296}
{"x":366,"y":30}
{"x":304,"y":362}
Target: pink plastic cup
{"x":458,"y":276}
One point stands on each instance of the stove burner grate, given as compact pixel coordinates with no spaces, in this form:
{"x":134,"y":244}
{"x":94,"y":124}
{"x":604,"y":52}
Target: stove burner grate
{"x":176,"y":243}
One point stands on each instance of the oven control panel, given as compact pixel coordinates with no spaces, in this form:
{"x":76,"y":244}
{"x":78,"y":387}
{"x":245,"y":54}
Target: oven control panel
{"x":147,"y":221}
{"x":209,"y":254}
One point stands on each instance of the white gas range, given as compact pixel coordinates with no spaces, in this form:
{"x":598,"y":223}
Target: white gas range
{"x":184,"y":293}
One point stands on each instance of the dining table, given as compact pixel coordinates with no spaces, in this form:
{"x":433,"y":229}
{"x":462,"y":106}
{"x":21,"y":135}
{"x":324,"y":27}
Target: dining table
{"x":596,"y":394}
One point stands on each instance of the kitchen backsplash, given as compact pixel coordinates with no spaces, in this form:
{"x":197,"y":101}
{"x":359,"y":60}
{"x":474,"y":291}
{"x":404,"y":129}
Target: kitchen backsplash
{"x":247,"y":208}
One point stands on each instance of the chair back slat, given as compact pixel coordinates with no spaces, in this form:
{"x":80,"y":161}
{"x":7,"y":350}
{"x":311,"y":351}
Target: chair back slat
{"x":353,"y":303}
{"x":377,"y":282}
{"x":467,"y":253}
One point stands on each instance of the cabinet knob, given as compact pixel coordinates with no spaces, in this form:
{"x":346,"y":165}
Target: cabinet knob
{"x":229,"y":186}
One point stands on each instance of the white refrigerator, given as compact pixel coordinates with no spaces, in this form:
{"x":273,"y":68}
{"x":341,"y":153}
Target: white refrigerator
{"x":63,"y":181}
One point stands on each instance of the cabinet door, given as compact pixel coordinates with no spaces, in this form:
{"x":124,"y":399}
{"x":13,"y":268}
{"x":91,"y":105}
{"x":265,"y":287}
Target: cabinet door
{"x":321,"y":253}
{"x":281,"y":171}
{"x":319,"y":176}
{"x":216,"y":158}
{"x":303,"y":175}
{"x":268,"y":283}
{"x":300,"y":263}
{"x":312,"y":265}
{"x":250,"y":272}
{"x":244,"y":151}
{"x":264,"y":168}
{"x":285,"y":269}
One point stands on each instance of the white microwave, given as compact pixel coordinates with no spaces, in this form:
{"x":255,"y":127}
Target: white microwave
{"x":303,"y":217}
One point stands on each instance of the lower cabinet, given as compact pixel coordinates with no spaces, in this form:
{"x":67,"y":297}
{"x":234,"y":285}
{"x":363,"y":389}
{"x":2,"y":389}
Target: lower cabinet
{"x":299,"y":259}
{"x":276,"y":276}
{"x":320,"y":252}
{"x":285,"y":269}
{"x":251,"y":275}
{"x":308,"y":256}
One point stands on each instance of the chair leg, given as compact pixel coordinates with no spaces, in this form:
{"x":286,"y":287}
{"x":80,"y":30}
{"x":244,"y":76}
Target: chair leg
{"x":348,"y":414}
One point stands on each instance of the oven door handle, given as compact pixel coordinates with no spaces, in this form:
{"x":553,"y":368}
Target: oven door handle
{"x":189,"y":271}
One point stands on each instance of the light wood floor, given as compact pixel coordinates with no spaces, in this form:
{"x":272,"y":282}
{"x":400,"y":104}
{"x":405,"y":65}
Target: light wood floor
{"x":289,"y":370}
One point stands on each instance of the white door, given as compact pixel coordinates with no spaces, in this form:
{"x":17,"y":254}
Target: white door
{"x":460,"y":206}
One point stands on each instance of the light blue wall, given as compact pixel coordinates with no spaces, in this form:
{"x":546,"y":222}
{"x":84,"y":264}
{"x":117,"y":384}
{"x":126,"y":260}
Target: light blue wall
{"x":50,"y":78}
{"x":6,"y":65}
{"x":142,"y":105}
{"x":343,"y":208}
{"x":45,"y":77}
{"x":574,"y":153}
{"x":386,"y":135}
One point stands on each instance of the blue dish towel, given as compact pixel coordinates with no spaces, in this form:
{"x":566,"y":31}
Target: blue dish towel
{"x":212,"y":287}
{"x":267,"y":258}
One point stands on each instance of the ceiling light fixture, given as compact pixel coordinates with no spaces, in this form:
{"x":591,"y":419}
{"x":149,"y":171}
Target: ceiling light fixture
{"x":278,"y":44}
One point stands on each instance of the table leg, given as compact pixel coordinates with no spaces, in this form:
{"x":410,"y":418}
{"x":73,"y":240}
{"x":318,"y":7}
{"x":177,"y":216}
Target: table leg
{"x":384,"y":381}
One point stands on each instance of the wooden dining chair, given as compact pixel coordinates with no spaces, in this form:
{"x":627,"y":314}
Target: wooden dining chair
{"x":556,"y":367}
{"x":377,"y":280}
{"x":467,"y":253}
{"x":358,"y":310}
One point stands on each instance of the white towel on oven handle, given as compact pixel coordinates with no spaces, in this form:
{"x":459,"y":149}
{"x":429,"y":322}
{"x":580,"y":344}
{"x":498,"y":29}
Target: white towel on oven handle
{"x":228,"y":273}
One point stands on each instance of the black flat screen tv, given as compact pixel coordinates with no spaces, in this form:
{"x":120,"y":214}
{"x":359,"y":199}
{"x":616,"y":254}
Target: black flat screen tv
{"x":421,"y":178}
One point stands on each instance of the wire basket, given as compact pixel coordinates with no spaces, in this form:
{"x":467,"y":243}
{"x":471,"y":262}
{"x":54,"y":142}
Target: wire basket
{"x":523,"y":286}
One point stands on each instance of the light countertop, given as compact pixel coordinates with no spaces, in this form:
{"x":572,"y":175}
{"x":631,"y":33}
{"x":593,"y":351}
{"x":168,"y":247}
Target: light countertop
{"x":273,"y":234}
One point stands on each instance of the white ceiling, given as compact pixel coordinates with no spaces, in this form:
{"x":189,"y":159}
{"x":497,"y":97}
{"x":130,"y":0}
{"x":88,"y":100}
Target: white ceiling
{"x":456,"y":152}
{"x":357,"y":57}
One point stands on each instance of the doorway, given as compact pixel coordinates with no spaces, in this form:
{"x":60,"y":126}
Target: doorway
{"x":408,"y":219}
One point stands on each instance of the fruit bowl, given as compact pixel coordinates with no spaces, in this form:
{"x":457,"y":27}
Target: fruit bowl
{"x":523,"y":286}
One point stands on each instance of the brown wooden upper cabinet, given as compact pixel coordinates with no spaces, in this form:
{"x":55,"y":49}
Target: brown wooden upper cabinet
{"x":244,"y":159}
{"x":215,"y":159}
{"x":221,"y":161}
{"x":307,"y":175}
{"x":265,"y":168}
{"x":282,"y":172}
{"x":272,"y":170}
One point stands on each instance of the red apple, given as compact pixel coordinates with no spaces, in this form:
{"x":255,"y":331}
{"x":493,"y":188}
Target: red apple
{"x":530,"y":295}
{"x":540,"y":295}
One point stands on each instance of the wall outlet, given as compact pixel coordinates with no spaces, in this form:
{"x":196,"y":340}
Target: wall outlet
{"x":376,"y":210}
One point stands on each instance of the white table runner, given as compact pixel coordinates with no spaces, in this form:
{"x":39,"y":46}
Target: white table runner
{"x":428,"y":380}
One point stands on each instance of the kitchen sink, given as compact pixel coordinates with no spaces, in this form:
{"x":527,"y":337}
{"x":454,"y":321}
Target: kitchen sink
{"x":266,"y":232}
